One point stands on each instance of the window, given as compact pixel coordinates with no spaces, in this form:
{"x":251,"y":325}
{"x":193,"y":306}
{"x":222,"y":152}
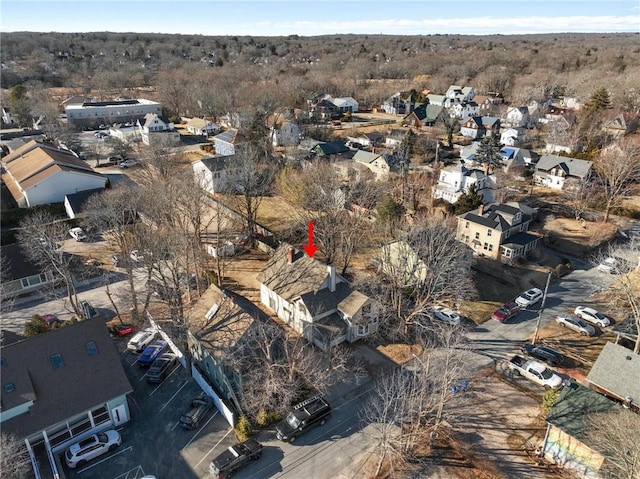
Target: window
{"x":92,"y":348}
{"x":9,"y":388}
{"x":57,"y":362}
{"x":25,"y":282}
{"x":3,"y":362}
{"x":466,"y":224}
{"x":488,"y":232}
{"x":477,"y":235}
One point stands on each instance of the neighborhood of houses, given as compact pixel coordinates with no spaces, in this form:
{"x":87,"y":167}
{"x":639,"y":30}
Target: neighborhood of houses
{"x":62,"y":387}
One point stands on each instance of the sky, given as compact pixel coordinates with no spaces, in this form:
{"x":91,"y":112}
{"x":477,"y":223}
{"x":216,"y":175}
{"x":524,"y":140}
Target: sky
{"x":321,"y":17}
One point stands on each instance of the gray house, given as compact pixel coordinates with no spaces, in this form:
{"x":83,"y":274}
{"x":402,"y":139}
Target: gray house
{"x":561,"y":172}
{"x":61,"y":387}
{"x":19,"y":274}
{"x":612,"y":375}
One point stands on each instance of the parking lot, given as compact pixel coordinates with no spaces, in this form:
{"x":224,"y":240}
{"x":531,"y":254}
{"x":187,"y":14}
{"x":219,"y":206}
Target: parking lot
{"x":153,"y":442}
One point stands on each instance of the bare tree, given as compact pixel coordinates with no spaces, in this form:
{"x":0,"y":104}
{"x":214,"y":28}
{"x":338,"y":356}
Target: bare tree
{"x":618,"y":171}
{"x":249,"y":181}
{"x":617,"y":435}
{"x":624,"y":292}
{"x":14,"y":457}
{"x":426,"y":266}
{"x":40,"y":235}
{"x":409,"y":406}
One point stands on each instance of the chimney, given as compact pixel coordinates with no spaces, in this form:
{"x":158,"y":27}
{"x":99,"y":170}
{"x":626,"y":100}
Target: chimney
{"x":332,"y":277}
{"x":290,"y":255}
{"x":481,"y":210}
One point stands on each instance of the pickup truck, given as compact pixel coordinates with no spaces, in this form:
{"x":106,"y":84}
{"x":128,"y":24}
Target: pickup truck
{"x":536,"y":372}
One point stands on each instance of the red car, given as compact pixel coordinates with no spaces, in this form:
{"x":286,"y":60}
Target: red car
{"x":506,"y":312}
{"x":123,"y":329}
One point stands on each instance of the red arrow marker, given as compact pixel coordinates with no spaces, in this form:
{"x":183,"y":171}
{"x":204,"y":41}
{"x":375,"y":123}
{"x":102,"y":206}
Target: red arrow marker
{"x":310,"y":248}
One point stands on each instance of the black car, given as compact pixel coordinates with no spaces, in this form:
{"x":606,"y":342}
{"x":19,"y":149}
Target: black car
{"x":160,"y":367}
{"x":543,"y":353}
{"x":311,"y":412}
{"x":198,"y":409}
{"x":235,"y":457}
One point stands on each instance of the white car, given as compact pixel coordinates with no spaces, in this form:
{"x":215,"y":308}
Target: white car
{"x":90,"y":448}
{"x":141,"y":340}
{"x":608,"y":265}
{"x":445,"y":314}
{"x":78,"y":234}
{"x":128,"y":163}
{"x":576,"y":324}
{"x":136,"y":256}
{"x":529,"y":298}
{"x":592,"y":315}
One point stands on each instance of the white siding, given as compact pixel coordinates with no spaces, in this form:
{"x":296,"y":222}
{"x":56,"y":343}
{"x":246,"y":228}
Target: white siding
{"x":54,"y":188}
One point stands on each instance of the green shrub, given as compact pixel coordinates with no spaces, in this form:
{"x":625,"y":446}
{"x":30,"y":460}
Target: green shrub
{"x":549,"y":398}
{"x":264,"y":418}
{"x":244,"y":429}
{"x":36,"y":326}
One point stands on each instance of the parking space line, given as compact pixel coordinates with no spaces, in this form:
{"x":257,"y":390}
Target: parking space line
{"x":161,"y":383}
{"x":211,"y":450}
{"x":174,"y":395}
{"x":144,"y":376}
{"x":105,"y":459}
{"x":200,"y":430}
{"x":134,"y":361}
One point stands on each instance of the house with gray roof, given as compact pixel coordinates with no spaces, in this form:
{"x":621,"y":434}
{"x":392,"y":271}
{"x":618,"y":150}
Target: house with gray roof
{"x":226,"y":142}
{"x":20,"y":275}
{"x":201,"y":126}
{"x":314,"y":300}
{"x":497,"y":231}
{"x":380,"y":165}
{"x":331,"y":148}
{"x":157,"y":130}
{"x":61,"y":387}
{"x":478,"y":127}
{"x":74,"y":203}
{"x":567,"y":441}
{"x":561,"y":172}
{"x":213,"y":172}
{"x":612,"y":372}
{"x":401,"y":103}
{"x":424,"y":114}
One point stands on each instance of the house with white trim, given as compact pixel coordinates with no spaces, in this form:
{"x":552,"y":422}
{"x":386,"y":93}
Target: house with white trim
{"x":155,"y":130}
{"x":456,"y":180}
{"x":60,"y":387}
{"x":202,"y":127}
{"x":314,"y":300}
{"x":561,"y":172}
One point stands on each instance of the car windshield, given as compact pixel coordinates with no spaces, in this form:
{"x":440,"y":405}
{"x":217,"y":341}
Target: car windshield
{"x":546,"y":374}
{"x":102,"y":437}
{"x":293,"y":421}
{"x":581,"y":323}
{"x":599,"y":315}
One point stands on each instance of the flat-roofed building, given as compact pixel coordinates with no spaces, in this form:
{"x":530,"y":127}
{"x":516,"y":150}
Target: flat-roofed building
{"x":96,"y":113}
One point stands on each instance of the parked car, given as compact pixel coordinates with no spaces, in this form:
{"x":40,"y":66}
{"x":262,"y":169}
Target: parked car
{"x":160,"y":367}
{"x":114,"y":160}
{"x":128,"y":163}
{"x":576,"y":324}
{"x":445,"y":314}
{"x":117,"y":260}
{"x":88,"y":310}
{"x":506,"y":312}
{"x":592,"y":315}
{"x":614,"y":265}
{"x":151,"y":352}
{"x":198,"y":409}
{"x":311,"y":412}
{"x":136,"y":256}
{"x":235,"y":457}
{"x":123,"y":330}
{"x":141,"y":340}
{"x":529,"y":298}
{"x":536,"y":372}
{"x":78,"y":234}
{"x":79,"y":453}
{"x":543,"y":353}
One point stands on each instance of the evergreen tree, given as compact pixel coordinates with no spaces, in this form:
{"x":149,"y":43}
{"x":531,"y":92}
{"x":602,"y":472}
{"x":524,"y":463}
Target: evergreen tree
{"x":489,"y":150}
{"x":600,"y":100}
{"x":19,"y":105}
{"x":468,"y":201}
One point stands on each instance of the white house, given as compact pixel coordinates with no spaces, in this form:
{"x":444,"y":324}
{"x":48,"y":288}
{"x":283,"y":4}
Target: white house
{"x":511,"y":136}
{"x":345,"y":104}
{"x":200,"y":126}
{"x":464,"y":110}
{"x":457,"y":179}
{"x":460,"y":94}
{"x":314,"y":300}
{"x":225,"y":143}
{"x":39,"y":173}
{"x":518,"y":117}
{"x":287,"y":134}
{"x":155,"y":130}
{"x":561,"y":172}
{"x":212,"y":173}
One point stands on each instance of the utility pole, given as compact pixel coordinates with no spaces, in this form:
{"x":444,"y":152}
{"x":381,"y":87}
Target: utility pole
{"x":544,"y":298}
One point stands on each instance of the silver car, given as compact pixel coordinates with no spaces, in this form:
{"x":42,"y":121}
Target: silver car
{"x":576,"y":324}
{"x":90,"y":448}
{"x":592,"y":315}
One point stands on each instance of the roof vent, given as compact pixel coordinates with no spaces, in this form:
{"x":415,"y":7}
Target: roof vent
{"x":629,"y":358}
